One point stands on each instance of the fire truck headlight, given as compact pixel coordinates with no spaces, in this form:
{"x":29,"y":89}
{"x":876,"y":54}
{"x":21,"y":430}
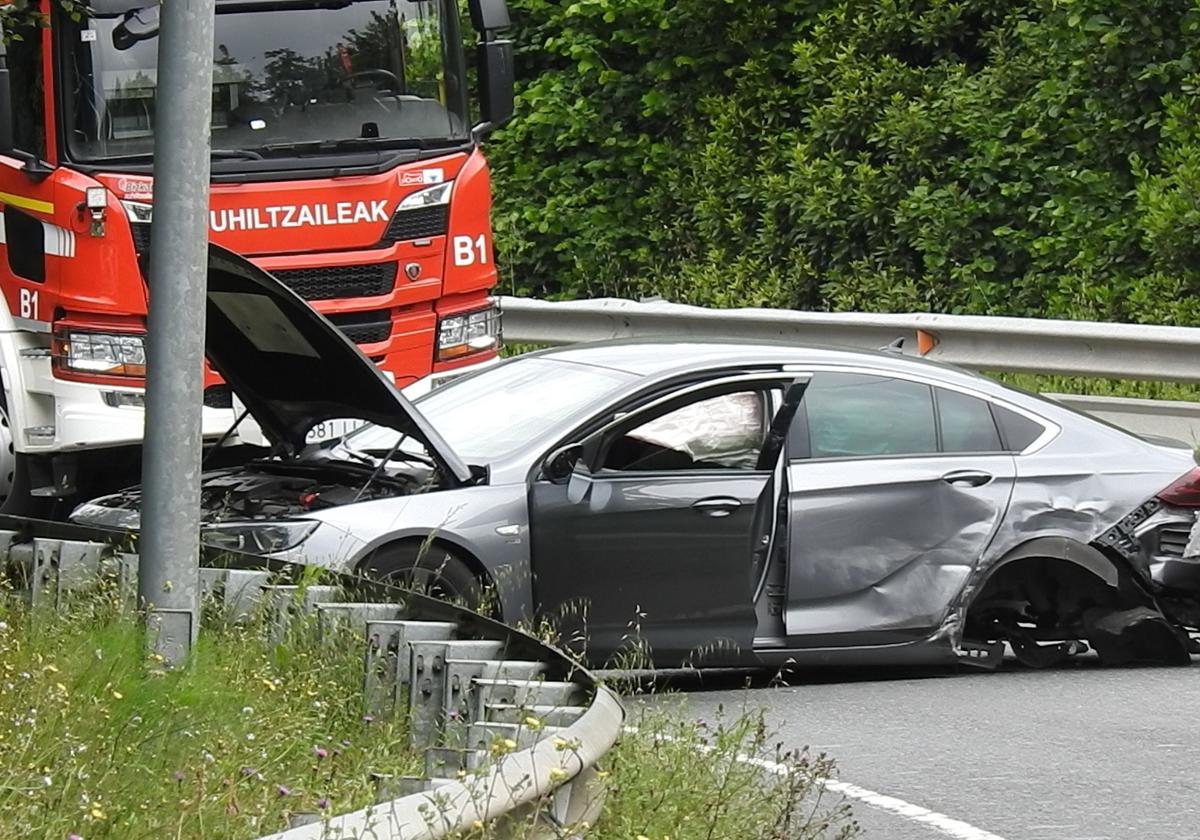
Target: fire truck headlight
{"x":138,"y":212}
{"x":438,"y":194}
{"x":469,"y":332}
{"x":100,"y":354}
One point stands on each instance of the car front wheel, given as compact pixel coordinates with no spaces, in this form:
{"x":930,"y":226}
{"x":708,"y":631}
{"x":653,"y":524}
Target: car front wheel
{"x":430,"y":569}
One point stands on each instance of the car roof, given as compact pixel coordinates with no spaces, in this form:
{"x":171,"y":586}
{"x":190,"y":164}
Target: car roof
{"x":670,"y":355}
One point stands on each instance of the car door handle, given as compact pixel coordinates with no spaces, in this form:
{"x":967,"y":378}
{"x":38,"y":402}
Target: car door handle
{"x":967,"y":478}
{"x":716,"y":506}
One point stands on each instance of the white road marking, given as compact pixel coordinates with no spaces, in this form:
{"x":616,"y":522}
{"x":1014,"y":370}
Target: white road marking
{"x":948,"y":826}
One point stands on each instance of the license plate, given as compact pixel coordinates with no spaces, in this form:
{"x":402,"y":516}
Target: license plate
{"x":330,"y":429}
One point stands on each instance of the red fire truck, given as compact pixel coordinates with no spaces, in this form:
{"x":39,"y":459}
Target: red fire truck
{"x":345,"y":160}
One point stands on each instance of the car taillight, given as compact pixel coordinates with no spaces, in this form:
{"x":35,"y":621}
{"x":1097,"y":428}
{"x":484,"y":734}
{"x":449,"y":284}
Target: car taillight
{"x":91,"y":353}
{"x":1183,"y":491}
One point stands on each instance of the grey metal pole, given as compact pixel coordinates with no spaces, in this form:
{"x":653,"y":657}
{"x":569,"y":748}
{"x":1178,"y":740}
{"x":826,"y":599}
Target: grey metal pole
{"x":168,"y":576}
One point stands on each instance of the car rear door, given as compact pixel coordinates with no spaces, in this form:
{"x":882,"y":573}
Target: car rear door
{"x":649,"y":540}
{"x":896,"y":488}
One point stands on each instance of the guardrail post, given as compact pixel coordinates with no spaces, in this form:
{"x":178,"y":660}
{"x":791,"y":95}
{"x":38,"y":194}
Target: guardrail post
{"x":284,"y":603}
{"x":333,"y":618}
{"x":43,"y":569}
{"x":427,"y":696}
{"x":387,"y":660}
{"x":461,"y":675}
{"x":237,"y":591}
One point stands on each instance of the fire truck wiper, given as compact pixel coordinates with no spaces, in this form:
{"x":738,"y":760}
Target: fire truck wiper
{"x":382,"y":143}
{"x":326,"y":146}
{"x":295,"y":148}
{"x":246,"y":154}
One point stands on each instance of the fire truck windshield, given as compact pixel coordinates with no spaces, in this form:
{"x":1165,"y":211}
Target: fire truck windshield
{"x":288,"y":78}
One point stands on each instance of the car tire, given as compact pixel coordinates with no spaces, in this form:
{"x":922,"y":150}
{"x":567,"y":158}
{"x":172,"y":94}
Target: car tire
{"x":430,"y":569}
{"x":15,"y":479}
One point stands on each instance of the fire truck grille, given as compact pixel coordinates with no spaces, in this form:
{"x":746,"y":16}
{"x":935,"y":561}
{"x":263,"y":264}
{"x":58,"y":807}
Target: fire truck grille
{"x":141,"y":237}
{"x":419,"y":223}
{"x":218,"y":396}
{"x":364,"y":327}
{"x":340,"y":281}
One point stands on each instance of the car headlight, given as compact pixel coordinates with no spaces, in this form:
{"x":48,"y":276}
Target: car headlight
{"x":257,"y":537}
{"x":105,"y":516}
{"x":470,"y":332}
{"x":86,"y":352}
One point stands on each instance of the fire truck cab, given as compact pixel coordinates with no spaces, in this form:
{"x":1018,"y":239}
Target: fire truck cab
{"x":345,"y":160}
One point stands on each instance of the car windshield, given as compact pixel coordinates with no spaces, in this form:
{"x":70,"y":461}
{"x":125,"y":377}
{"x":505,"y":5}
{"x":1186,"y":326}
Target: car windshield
{"x":492,"y":414}
{"x":285,"y":75}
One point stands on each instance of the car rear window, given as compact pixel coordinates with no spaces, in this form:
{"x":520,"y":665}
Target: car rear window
{"x":967,"y":424}
{"x":1017,"y":430}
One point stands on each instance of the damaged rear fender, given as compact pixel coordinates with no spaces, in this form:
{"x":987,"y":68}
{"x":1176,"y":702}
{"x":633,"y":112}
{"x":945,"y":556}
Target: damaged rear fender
{"x":1047,"y":594}
{"x":1062,"y":548}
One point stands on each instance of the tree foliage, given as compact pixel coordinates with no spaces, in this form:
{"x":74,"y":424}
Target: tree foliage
{"x":1027,"y":157}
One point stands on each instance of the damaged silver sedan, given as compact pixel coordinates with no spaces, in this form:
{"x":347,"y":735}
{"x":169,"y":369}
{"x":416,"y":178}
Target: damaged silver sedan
{"x":711,"y":503}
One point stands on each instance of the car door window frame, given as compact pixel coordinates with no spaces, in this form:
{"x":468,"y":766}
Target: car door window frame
{"x":881,"y":379}
{"x":596,"y":445}
{"x":1050,"y":429}
{"x":941,"y":431}
{"x":630,"y":403}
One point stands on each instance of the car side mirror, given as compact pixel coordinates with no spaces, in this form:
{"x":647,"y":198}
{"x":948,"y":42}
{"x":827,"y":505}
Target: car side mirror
{"x":138,"y":25}
{"x":559,"y":465}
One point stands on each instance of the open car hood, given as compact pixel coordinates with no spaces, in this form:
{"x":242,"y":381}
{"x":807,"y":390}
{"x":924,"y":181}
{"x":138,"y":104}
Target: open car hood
{"x":292,"y":368}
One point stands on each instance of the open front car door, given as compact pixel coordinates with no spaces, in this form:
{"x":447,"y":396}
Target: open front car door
{"x":648,"y":544}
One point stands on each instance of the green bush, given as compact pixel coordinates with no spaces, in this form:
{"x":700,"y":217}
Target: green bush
{"x":1034,"y":158}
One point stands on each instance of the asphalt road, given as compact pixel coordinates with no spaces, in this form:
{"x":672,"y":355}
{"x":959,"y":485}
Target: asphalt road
{"x":1079,"y":754}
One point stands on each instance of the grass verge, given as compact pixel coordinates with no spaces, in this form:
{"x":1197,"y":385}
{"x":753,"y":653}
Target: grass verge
{"x":99,"y":741}
{"x":679,"y":779}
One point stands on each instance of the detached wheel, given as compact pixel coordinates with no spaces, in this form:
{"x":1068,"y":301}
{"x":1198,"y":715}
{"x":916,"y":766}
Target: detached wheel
{"x":429,"y":569}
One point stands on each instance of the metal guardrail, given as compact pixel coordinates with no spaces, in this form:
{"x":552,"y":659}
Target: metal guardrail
{"x":1022,"y":345}
{"x":510,"y":727}
{"x":1168,"y":418}
{"x":1016,"y":345}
